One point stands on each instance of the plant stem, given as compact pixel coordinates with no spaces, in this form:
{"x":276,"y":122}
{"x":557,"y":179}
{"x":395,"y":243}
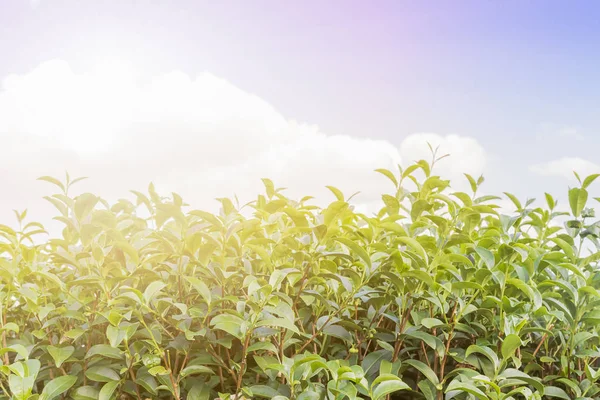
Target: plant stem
{"x":242,"y":365}
{"x":398,"y":345}
{"x":447,"y":348}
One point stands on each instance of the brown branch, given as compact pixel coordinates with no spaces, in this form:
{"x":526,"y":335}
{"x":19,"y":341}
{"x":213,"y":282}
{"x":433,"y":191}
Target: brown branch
{"x":398,"y":344}
{"x":539,"y":346}
{"x":447,"y":349}
{"x":133,"y":378}
{"x":175,"y":385}
{"x":242,"y":367}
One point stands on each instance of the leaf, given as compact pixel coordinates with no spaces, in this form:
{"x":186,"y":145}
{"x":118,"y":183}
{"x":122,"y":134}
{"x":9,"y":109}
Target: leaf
{"x":430,"y":340}
{"x":472,"y":182}
{"x":338,"y":332}
{"x":515,"y":201}
{"x":307,"y":395}
{"x":487,"y":256}
{"x":372,"y":361}
{"x":269,"y":187}
{"x":589,"y":180}
{"x":60,"y":354}
{"x":389,"y":175}
{"x":16,"y":348}
{"x":391,"y":203}
{"x":550,"y":201}
{"x":418,"y":208}
{"x":298,"y":217}
{"x":553,"y":391}
{"x":11,"y":326}
{"x":200,"y":287}
{"x":428,"y":389}
{"x":52,"y":180}
{"x":21,"y":387}
{"x":74,"y":181}
{"x":153,"y":289}
{"x":459,"y":386}
{"x":262,"y":346}
{"x":129,"y":250}
{"x":115,"y":335}
{"x":336,"y":192}
{"x":84,"y":204}
{"x":280,"y":323}
{"x":208,"y":217}
{"x":485,"y":351}
{"x":104,"y":350}
{"x":158,"y":370}
{"x":431,"y":322}
{"x":101,"y":374}
{"x":356,"y":249}
{"x":391,"y":385}
{"x":533,"y":294}
{"x":424,"y":369}
{"x":577,"y":200}
{"x":199,"y":391}
{"x":565,"y":247}
{"x":415,"y":245}
{"x":582,"y":337}
{"x":510,"y":344}
{"x":85,"y":393}
{"x":114,"y":318}
{"x":264,"y":391}
{"x":107,"y":391}
{"x":229,"y":323}
{"x":421,"y":276}
{"x":194,"y":370}
{"x":511,"y":373}
{"x":57,"y":386}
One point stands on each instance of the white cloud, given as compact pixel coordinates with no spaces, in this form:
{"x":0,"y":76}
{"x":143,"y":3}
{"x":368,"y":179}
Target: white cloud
{"x":564,"y":167}
{"x":201,"y":137}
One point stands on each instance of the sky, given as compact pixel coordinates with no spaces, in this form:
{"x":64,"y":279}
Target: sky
{"x":205,"y":98}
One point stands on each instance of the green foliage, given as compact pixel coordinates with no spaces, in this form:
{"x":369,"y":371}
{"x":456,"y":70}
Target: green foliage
{"x":438,"y":296}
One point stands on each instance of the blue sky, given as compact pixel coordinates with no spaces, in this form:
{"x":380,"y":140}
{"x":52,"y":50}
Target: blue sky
{"x":518,"y":77}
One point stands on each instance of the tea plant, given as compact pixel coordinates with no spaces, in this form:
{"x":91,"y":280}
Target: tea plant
{"x":437,"y":296}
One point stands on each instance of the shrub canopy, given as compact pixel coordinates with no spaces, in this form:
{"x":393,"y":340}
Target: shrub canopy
{"x":437,"y":296}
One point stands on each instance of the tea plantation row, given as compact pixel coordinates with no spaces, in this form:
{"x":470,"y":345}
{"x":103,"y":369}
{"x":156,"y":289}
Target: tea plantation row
{"x":438,"y":296}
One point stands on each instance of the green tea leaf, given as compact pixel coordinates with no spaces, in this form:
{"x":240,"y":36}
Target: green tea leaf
{"x":104,"y":350}
{"x":200,"y":287}
{"x":57,"y":386}
{"x":391,"y":385}
{"x":356,"y":249}
{"x":60,"y":354}
{"x":577,"y":200}
{"x":510,"y":344}
{"x":424,"y":369}
{"x":107,"y":391}
{"x":101,"y":374}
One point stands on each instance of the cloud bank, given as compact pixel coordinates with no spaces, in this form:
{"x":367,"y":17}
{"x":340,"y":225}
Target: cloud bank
{"x":201,"y":137}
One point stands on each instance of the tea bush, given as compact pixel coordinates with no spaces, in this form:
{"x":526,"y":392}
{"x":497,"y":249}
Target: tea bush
{"x":437,"y":296}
